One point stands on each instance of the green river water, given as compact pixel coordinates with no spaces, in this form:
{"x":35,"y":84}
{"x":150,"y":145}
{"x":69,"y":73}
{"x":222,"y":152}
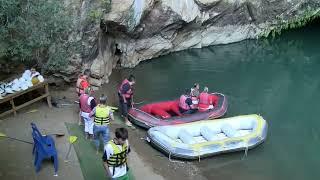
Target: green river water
{"x":278,"y":79}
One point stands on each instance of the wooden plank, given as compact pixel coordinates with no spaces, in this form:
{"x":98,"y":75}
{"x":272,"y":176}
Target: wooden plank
{"x":6,"y":113}
{"x":32,"y":101}
{"x":13,"y":107}
{"x":49,"y":96}
{"x":37,"y":86}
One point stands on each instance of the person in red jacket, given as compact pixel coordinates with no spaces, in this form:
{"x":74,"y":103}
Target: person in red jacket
{"x":83,"y":82}
{"x":81,"y":85}
{"x":125,"y":94}
{"x":205,"y":100}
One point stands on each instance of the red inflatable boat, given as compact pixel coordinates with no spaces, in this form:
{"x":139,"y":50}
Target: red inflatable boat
{"x":167,"y":113}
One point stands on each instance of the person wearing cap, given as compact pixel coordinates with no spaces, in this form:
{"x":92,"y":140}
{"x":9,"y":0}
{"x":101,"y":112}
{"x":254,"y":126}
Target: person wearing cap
{"x":87,"y":104}
{"x":102,"y":115}
{"x":185,"y":103}
{"x":195,"y":93}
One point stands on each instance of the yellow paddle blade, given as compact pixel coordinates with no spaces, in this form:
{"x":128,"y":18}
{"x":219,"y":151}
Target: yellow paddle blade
{"x":2,"y":135}
{"x":113,"y":108}
{"x":32,"y":111}
{"x":73,"y":139}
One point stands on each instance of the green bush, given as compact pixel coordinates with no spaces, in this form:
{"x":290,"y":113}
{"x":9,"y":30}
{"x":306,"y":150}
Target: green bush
{"x":35,"y":32}
{"x":297,"y":22}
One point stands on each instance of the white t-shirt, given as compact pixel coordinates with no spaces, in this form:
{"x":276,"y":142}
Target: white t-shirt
{"x":118,"y":171}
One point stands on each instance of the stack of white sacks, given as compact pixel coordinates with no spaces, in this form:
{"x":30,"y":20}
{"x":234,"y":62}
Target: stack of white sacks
{"x":21,"y":84}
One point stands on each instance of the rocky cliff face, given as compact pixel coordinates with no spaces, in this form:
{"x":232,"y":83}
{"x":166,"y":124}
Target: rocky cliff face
{"x":125,"y":32}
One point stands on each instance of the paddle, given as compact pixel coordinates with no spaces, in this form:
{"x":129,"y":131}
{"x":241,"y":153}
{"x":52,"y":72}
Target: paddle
{"x":2,"y":135}
{"x":72,"y":139}
{"x":32,"y":111}
{"x":112,"y":107}
{"x":139,"y":102}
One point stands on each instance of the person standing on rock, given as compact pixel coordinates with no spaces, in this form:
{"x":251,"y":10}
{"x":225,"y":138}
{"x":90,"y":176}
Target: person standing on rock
{"x":125,"y":93}
{"x":102,"y":115}
{"x":87,"y":104}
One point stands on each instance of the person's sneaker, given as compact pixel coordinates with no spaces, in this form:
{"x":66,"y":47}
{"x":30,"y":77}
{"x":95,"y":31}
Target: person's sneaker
{"x":129,"y":124}
{"x":80,"y":123}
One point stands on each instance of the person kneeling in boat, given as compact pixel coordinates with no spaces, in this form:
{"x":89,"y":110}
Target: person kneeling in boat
{"x":185,"y":103}
{"x":195,"y":93}
{"x":205,"y":100}
{"x":102,"y":116}
{"x":115,"y":155}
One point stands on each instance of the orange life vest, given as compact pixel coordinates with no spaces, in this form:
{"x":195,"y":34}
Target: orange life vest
{"x":82,"y":84}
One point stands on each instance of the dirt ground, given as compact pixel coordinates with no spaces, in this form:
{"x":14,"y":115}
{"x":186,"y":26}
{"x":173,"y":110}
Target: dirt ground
{"x":16,"y":160}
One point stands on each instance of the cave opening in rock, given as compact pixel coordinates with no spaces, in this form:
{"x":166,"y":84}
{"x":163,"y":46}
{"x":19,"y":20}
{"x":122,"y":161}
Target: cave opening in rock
{"x":118,"y":52}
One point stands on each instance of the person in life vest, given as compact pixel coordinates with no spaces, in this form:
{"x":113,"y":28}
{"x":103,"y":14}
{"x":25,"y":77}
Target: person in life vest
{"x":82,"y":82}
{"x":87,"y":104}
{"x":205,"y":100}
{"x":125,"y":93}
{"x":115,"y":155}
{"x":102,"y":115}
{"x":195,"y":93}
{"x":185,"y":103}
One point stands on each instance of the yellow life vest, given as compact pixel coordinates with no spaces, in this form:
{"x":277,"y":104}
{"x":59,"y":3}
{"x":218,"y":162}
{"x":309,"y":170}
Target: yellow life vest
{"x":102,"y":115}
{"x":119,"y":157}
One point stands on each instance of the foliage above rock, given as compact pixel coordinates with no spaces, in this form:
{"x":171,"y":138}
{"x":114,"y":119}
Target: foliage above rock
{"x":35,"y":32}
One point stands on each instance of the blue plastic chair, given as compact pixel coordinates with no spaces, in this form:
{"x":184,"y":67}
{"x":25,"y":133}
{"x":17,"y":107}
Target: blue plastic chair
{"x":44,"y":148}
{"x":46,"y":139}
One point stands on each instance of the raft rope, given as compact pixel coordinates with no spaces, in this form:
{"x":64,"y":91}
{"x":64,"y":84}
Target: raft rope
{"x":199,"y":156}
{"x":173,"y":161}
{"x":245,"y":151}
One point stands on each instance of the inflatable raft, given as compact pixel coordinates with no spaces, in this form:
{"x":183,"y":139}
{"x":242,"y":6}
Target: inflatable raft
{"x":207,"y":138}
{"x":167,"y":113}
